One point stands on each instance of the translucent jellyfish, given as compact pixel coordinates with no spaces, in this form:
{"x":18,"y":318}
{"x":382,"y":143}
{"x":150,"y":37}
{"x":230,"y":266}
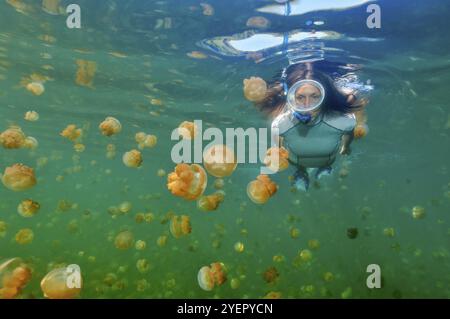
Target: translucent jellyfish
{"x":418,"y":212}
{"x":14,"y":276}
{"x":72,"y":133}
{"x":124,"y":240}
{"x":261,"y":189}
{"x":161,"y":241}
{"x":277,"y":159}
{"x":148,"y":142}
{"x":271,"y":275}
{"x":239,"y":247}
{"x":132,"y":159}
{"x":188,"y":130}
{"x":161,"y":173}
{"x":19,"y":178}
{"x":210,"y":202}
{"x":110,"y":126}
{"x":28,"y":208}
{"x":31,"y":143}
{"x":12,"y":138}
{"x":140,"y":245}
{"x":180,"y":226}
{"x":143,"y":266}
{"x":209,"y":277}
{"x":52,"y":6}
{"x":219,"y":160}
{"x":24,"y":236}
{"x":305,"y":255}
{"x":258,"y":22}
{"x":85,"y":73}
{"x":140,"y":137}
{"x":197,"y":55}
{"x":36,"y":88}
{"x":125,"y":207}
{"x":54,"y":285}
{"x":219,"y":183}
{"x":208,"y":9}
{"x":187,"y":181}
{"x":255,"y":89}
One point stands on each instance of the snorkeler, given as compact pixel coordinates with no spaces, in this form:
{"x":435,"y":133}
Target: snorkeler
{"x":314,"y":119}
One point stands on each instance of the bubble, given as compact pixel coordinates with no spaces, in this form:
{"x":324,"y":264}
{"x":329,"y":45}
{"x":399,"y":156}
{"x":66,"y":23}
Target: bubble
{"x":24,"y":236}
{"x":132,"y":159}
{"x":124,"y":240}
{"x":28,"y":208}
{"x":54,"y":285}
{"x":219,"y":161}
{"x":187,"y":181}
{"x":110,"y":126}
{"x":255,"y":89}
{"x":19,"y":178}
{"x":261,"y":189}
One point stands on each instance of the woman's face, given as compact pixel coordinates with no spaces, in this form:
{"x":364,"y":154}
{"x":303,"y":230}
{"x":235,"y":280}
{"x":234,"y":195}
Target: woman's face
{"x":308,"y":96}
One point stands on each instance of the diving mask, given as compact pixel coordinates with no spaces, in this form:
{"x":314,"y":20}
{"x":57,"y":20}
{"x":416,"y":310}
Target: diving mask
{"x":305,"y":96}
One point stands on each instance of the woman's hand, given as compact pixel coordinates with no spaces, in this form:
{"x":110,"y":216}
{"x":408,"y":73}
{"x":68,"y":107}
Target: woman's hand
{"x":345,"y":150}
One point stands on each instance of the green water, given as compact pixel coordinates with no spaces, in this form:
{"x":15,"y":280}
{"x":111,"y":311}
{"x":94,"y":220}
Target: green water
{"x":401,"y":163}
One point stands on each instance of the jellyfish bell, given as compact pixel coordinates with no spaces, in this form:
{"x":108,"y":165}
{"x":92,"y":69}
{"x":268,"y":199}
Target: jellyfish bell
{"x":110,"y":126}
{"x":28,"y":208}
{"x":54,"y":285}
{"x":14,"y":276}
{"x":180,"y":226}
{"x":132,"y":159}
{"x":210,"y":202}
{"x":31,"y":143}
{"x":19,"y":178}
{"x":187,"y":181}
{"x":205,"y":278}
{"x":219,"y":160}
{"x":188,"y":130}
{"x":124,"y":240}
{"x":36,"y":88}
{"x":255,"y":89}
{"x":360,"y":131}
{"x":12,"y":138}
{"x":277,"y":159}
{"x":261,"y":189}
{"x":31,"y":116}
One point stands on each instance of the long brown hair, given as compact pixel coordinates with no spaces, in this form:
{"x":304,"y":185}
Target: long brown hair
{"x":275,"y":101}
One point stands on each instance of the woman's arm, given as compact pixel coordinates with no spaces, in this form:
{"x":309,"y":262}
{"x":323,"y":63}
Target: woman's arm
{"x":346,"y":140}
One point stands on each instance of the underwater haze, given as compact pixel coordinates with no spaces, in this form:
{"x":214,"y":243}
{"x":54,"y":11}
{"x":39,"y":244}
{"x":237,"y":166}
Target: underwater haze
{"x":148,"y":65}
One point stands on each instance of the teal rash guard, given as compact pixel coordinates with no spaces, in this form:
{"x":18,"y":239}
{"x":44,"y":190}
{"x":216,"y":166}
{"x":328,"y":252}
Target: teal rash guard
{"x":314,"y":144}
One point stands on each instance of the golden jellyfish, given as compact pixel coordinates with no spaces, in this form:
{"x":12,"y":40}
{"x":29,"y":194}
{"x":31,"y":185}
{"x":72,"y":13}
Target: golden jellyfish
{"x":19,"y":178}
{"x":125,"y":207}
{"x":271,"y":275}
{"x":239,"y":247}
{"x":148,"y":142}
{"x":31,"y":116}
{"x":51,"y":6}
{"x":210,"y":202}
{"x":328,"y":276}
{"x":389,"y":232}
{"x":12,"y":138}
{"x":3,"y":228}
{"x":36,"y":88}
{"x":140,"y":245}
{"x":14,"y":276}
{"x":294,"y":232}
{"x":188,"y":130}
{"x":258,"y":22}
{"x":124,"y":240}
{"x":161,"y":241}
{"x":161,"y":173}
{"x":210,"y":276}
{"x":79,"y":148}
{"x":197,"y":55}
{"x":110,"y":126}
{"x":85,"y":73}
{"x":261,"y":189}
{"x":143,"y":265}
{"x":24,"y":236}
{"x":418,"y":212}
{"x":28,"y":208}
{"x":305,"y":255}
{"x":55,"y":284}
{"x":31,"y":143}
{"x":140,"y":137}
{"x":273,"y":295}
{"x":219,"y":183}
{"x":72,"y":133}
{"x":180,"y":226}
{"x":360,"y":131}
{"x":187,"y":181}
{"x":313,"y":244}
{"x":219,"y":160}
{"x":277,"y":159}
{"x":255,"y":89}
{"x":132,"y":159}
